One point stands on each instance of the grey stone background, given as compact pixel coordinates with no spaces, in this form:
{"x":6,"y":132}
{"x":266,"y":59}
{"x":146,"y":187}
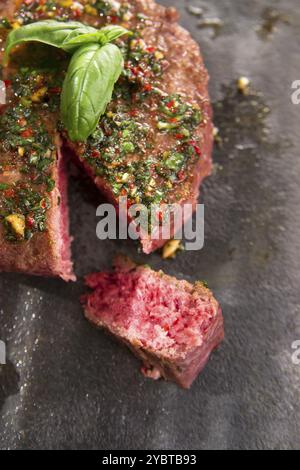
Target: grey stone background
{"x":68,"y":386}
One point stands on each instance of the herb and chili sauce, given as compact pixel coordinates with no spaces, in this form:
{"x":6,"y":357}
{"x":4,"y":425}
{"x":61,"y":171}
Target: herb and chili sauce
{"x":124,"y":149}
{"x":28,"y":153}
{"x":64,"y":10}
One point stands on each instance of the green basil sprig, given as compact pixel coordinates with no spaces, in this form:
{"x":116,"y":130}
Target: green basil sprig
{"x":95,"y":67}
{"x":88,"y":87}
{"x":101,"y":36}
{"x":53,"y":33}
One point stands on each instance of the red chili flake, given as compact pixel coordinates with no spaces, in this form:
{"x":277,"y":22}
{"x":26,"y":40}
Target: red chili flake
{"x":151,"y":49}
{"x":179,"y":136}
{"x":160,"y":215}
{"x":7,"y":83}
{"x":54,"y":90}
{"x":196,"y":147}
{"x":173,"y":120}
{"x":9,"y":192}
{"x":134,"y":70}
{"x":77,"y":13}
{"x":29,"y":221}
{"x":113,"y":19}
{"x":27,"y":133}
{"x":95,"y":153}
{"x":133,"y":112}
{"x":148,"y":87}
{"x":43,"y":204}
{"x":170,"y":104}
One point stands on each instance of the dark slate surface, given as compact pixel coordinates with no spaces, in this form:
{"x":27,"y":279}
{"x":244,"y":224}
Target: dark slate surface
{"x":69,"y":386}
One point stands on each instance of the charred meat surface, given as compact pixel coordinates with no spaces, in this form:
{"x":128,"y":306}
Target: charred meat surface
{"x":171,"y":325}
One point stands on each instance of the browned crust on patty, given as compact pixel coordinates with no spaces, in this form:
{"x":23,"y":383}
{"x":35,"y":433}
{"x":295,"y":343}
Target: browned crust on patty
{"x":185,"y":74}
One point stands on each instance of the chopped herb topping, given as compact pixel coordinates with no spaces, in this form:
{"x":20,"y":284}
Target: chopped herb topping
{"x":35,"y":10}
{"x":28,"y":154}
{"x":145,"y":145}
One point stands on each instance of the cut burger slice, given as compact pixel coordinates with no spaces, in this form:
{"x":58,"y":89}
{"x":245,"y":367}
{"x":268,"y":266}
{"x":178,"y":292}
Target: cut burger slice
{"x":34,"y":221}
{"x":34,"y":233}
{"x":171,"y":325}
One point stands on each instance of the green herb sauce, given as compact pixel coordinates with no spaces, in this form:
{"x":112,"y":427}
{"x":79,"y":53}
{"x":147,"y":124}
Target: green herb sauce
{"x":123,"y":148}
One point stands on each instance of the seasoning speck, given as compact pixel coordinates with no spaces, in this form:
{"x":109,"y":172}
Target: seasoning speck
{"x":243,"y":85}
{"x":214,"y":23}
{"x":170,"y":249}
{"x":194,"y":10}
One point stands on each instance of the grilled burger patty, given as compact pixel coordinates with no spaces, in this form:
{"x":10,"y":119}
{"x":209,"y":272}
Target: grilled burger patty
{"x":153,"y":145}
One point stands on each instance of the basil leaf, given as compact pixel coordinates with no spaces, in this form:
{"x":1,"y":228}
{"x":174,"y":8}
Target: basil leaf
{"x":88,"y":88}
{"x":54,"y":33}
{"x":111,"y":33}
{"x":103,"y":36}
{"x":82,"y":39}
